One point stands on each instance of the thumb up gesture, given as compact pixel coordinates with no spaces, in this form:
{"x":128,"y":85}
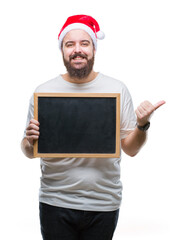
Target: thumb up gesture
{"x":144,"y":111}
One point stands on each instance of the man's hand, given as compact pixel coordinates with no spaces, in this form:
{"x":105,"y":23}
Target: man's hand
{"x":144,"y":111}
{"x":32,"y":131}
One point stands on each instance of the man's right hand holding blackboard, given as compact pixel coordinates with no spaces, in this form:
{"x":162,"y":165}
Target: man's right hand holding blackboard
{"x":32,"y":133}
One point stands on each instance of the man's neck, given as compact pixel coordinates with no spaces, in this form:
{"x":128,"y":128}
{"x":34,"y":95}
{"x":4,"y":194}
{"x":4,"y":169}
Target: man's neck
{"x":89,"y":78}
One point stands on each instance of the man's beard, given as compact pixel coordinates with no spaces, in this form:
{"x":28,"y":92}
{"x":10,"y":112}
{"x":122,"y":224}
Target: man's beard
{"x":81,"y":72}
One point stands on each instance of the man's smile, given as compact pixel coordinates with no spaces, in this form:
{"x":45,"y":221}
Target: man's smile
{"x":78,"y":57}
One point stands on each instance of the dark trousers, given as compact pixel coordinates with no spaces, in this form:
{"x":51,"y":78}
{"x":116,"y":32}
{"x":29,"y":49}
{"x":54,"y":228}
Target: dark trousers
{"x":67,"y":224}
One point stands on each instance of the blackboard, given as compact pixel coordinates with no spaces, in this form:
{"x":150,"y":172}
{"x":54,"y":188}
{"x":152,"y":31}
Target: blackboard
{"x":77,"y":124}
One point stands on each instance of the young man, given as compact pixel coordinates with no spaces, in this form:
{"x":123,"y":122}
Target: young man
{"x":80,"y":197}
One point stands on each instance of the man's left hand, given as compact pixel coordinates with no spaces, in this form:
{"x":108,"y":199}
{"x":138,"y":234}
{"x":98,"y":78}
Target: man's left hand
{"x":145,"y":110}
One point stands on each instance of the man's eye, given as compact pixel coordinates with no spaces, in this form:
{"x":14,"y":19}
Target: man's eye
{"x":69,"y":44}
{"x":85,"y":44}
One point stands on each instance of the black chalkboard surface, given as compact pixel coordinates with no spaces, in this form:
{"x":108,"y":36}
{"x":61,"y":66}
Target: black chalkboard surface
{"x":77,"y":125}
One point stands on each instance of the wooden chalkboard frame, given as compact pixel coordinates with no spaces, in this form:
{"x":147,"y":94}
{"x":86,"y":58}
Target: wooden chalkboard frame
{"x":77,"y":95}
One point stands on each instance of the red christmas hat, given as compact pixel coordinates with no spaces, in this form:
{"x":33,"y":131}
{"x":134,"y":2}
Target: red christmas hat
{"x":84,"y":22}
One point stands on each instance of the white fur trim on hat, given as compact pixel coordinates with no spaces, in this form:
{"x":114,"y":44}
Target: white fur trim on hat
{"x":78,"y":26}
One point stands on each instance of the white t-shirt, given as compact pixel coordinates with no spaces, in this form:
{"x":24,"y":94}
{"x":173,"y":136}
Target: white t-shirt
{"x":90,"y":184}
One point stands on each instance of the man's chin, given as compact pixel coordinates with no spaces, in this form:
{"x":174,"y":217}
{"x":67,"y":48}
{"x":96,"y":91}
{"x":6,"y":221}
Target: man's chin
{"x":78,"y":65}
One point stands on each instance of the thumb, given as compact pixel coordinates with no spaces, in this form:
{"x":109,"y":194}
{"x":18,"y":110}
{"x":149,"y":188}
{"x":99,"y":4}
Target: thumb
{"x":159,"y":104}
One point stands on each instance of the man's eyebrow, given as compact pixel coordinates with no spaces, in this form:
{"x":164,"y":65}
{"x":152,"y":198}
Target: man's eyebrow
{"x":80,"y":41}
{"x":85,"y":41}
{"x":69,"y":42}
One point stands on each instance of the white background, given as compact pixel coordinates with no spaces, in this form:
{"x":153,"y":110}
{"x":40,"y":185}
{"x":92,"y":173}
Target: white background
{"x":145,"y":47}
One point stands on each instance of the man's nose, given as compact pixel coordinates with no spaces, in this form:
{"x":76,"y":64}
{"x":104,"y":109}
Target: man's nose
{"x":77,"y":48}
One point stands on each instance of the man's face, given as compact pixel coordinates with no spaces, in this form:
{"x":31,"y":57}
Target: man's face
{"x":78,"y":53}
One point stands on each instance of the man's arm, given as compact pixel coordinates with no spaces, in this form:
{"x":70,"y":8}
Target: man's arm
{"x":32,"y":133}
{"x":27,"y":148}
{"x":132,"y":144}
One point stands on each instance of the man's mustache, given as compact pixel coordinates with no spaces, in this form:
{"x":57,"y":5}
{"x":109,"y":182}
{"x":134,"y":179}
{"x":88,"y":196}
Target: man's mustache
{"x":78,"y":55}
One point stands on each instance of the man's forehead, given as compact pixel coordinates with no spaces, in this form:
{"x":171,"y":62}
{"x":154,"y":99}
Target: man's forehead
{"x":77,"y":35}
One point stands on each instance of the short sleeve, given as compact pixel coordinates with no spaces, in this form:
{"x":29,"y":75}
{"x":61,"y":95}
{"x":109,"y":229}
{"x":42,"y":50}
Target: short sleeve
{"x":128,"y":116}
{"x":30,"y":114}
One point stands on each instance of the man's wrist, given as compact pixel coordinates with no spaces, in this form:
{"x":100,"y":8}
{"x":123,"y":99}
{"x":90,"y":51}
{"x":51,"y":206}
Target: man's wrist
{"x":144,"y":127}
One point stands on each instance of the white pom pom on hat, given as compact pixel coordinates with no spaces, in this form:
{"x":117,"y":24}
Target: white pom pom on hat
{"x":100,"y":35}
{"x":84,"y":22}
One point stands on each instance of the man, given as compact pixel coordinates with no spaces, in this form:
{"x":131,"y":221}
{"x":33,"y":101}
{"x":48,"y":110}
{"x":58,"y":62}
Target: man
{"x":80,"y":197}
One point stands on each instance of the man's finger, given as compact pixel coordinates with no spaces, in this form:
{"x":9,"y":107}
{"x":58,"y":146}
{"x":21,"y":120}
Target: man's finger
{"x":32,"y":126}
{"x":159,"y":104}
{"x":34,"y":122}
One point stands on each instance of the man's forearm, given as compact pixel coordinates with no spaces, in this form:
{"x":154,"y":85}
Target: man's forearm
{"x":132,"y":144}
{"x":27,"y":148}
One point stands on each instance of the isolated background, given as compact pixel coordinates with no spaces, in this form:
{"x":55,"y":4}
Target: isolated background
{"x":145,"y":48}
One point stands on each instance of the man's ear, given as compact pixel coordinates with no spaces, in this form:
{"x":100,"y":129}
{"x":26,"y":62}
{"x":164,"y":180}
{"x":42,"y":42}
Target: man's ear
{"x":62,"y":47}
{"x":62,"y":50}
{"x":94,"y":49}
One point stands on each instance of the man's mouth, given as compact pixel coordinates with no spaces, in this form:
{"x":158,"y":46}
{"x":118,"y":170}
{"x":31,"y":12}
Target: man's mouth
{"x":78,"y":57}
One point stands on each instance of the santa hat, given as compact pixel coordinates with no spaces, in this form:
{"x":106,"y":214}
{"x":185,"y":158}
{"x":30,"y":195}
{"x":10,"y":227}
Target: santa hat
{"x":84,"y":22}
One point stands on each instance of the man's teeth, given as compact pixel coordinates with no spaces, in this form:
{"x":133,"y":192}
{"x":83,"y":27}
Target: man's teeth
{"x":78,"y":58}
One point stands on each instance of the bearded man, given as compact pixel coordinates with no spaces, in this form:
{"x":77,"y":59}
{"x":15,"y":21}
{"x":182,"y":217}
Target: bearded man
{"x":79,"y":197}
